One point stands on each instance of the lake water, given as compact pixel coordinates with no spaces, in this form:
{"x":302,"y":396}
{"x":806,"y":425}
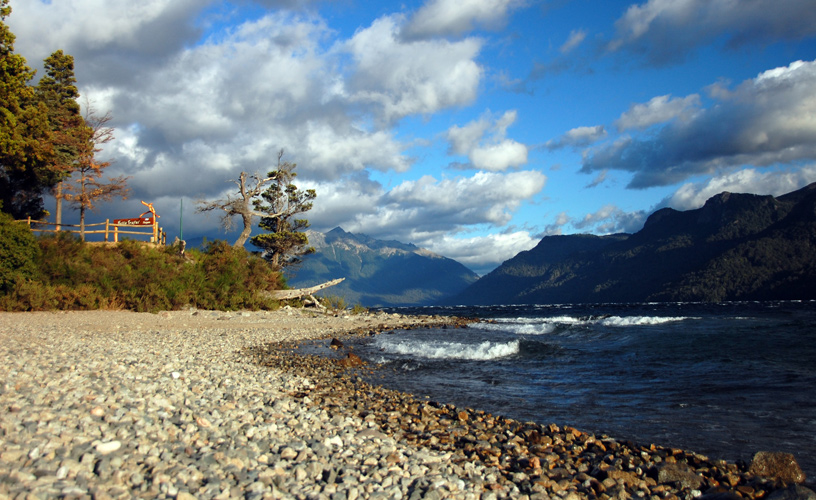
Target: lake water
{"x":724,"y":380}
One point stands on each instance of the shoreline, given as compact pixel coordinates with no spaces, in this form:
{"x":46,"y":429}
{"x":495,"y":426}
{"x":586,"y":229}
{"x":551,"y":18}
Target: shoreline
{"x":207,"y":404}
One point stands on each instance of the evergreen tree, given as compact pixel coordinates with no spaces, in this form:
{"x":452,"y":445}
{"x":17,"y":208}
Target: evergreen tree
{"x":26,"y":153}
{"x":284,"y":243}
{"x":70,"y":134}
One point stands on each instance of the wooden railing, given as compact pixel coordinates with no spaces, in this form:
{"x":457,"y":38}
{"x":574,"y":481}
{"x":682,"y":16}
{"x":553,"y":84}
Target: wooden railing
{"x":111,"y":231}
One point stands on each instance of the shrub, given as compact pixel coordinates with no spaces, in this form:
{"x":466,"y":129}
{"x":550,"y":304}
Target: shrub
{"x":70,"y":274}
{"x":18,"y":252}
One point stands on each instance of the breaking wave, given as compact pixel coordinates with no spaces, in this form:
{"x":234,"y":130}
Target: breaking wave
{"x":451,"y":350}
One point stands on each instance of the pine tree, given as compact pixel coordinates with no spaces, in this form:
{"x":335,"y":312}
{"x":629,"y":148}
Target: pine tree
{"x":70,"y":134}
{"x":284,"y":243}
{"x":26,"y":153}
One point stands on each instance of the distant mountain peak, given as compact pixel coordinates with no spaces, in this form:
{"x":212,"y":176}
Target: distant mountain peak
{"x":380,"y":272}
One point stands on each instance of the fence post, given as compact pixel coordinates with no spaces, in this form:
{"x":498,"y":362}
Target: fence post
{"x":107,"y":228}
{"x":116,"y":233}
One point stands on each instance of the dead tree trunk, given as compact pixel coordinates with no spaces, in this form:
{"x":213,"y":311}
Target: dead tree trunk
{"x":302,"y":292}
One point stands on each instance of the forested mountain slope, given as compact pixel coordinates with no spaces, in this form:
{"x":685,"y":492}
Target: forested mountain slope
{"x":735,"y":247}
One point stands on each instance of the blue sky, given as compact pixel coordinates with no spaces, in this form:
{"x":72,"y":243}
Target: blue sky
{"x":470,"y":127}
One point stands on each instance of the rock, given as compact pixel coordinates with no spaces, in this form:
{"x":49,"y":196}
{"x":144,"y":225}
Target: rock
{"x":109,"y":447}
{"x":777,"y":465}
{"x":203,"y":422}
{"x":793,"y":492}
{"x":350,"y":361}
{"x":335,"y":344}
{"x":680,"y":474}
{"x":370,"y":433}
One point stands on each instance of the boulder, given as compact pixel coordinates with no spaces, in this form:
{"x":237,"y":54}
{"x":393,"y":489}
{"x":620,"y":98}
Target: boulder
{"x":679,"y":474}
{"x":336,"y":344}
{"x":777,"y":465}
{"x":793,"y":492}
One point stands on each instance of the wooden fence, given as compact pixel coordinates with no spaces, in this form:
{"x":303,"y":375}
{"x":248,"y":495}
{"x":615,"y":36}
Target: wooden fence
{"x":111,"y":231}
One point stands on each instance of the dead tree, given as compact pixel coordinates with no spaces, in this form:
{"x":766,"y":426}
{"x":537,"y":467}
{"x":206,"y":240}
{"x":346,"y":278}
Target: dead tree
{"x":241,"y":205}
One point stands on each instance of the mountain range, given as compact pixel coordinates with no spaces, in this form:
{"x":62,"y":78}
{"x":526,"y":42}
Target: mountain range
{"x":379,"y":273}
{"x":735,"y":247}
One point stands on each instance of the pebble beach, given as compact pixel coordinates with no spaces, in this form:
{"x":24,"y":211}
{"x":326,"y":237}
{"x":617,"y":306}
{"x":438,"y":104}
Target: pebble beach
{"x":206,"y":404}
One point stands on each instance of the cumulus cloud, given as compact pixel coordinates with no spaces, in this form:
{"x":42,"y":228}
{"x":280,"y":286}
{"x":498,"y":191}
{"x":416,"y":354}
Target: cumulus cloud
{"x":485,"y":143}
{"x":455,"y":17}
{"x":427,"y":208}
{"x":665,"y":31}
{"x":482,"y":254}
{"x":402,"y":78}
{"x":134,"y":30}
{"x":694,"y":195}
{"x":660,"y":109}
{"x":578,"y":137}
{"x":764,"y":121}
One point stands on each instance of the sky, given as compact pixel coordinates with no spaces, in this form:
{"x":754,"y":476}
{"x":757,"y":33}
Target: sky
{"x":472,"y":128}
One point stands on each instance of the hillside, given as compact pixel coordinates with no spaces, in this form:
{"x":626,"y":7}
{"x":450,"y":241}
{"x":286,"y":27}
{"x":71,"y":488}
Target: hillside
{"x":735,"y":247}
{"x":380,"y":273}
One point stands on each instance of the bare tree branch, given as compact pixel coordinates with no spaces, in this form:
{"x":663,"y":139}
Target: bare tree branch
{"x":241,"y":206}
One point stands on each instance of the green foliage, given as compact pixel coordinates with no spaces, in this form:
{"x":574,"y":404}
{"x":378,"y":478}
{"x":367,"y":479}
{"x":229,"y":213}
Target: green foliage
{"x":18,"y":251}
{"x":284,"y":243}
{"x":334,"y":302}
{"x":26,"y":152}
{"x":70,"y":274}
{"x":70,"y":136}
{"x":359,"y":309}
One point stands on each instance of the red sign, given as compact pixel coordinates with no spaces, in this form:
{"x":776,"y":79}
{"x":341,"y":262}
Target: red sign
{"x":139,"y":221}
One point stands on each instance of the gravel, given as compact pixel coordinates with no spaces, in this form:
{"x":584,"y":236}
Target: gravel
{"x":120,"y":405}
{"x":206,"y":404}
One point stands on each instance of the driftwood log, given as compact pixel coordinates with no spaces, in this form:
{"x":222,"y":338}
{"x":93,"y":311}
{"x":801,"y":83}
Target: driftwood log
{"x":302,"y":292}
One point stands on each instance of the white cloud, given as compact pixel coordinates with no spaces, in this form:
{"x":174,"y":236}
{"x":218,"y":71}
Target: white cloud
{"x":402,"y":78}
{"x":192,"y":111}
{"x":690,"y":196}
{"x":482,"y":254}
{"x":485,"y":143}
{"x":138,"y":27}
{"x":455,"y":17}
{"x":764,"y":121}
{"x":610,"y":219}
{"x":578,"y":137}
{"x":660,"y":109}
{"x":576,"y":37}
{"x":666,"y":31}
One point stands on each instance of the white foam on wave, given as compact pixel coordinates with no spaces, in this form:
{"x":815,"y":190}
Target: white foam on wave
{"x":519,"y":327}
{"x":434,"y":349}
{"x":640,"y":320}
{"x":546,"y":325}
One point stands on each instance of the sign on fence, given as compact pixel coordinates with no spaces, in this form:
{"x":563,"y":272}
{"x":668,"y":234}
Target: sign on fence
{"x":139,"y":221}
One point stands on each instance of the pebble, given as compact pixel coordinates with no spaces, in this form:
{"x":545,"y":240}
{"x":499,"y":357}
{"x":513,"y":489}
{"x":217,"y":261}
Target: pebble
{"x":204,"y":404}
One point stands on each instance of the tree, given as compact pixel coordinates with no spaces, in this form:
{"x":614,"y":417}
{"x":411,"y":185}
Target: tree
{"x":86,"y":187}
{"x":26,"y":154}
{"x":70,"y":134}
{"x":242,"y":205}
{"x":282,"y":201}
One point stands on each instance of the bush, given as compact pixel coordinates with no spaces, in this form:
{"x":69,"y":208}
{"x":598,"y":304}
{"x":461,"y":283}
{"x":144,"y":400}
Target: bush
{"x":70,"y":274}
{"x":18,"y":253}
